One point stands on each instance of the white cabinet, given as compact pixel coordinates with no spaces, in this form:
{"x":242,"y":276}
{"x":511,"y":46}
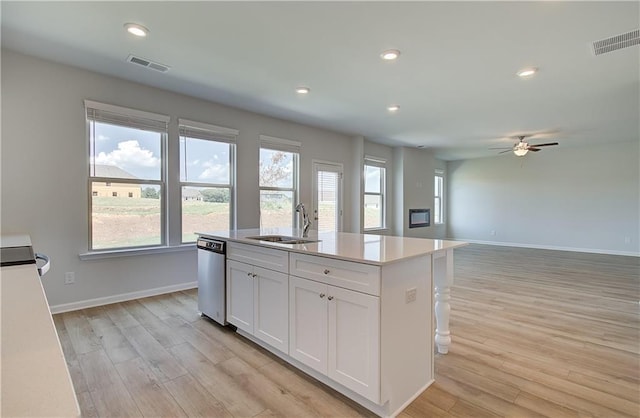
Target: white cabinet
{"x":257,"y":298}
{"x":336,"y":332}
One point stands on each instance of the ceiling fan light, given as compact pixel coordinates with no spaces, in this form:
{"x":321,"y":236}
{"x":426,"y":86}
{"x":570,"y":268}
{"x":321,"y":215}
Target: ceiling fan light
{"x":520,"y":152}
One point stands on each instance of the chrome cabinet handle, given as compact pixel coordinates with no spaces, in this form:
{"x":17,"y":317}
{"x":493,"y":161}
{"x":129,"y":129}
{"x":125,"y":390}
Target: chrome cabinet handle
{"x":330,"y":297}
{"x":249,"y":274}
{"x":254,"y":275}
{"x":322,"y":295}
{"x":326,"y":271}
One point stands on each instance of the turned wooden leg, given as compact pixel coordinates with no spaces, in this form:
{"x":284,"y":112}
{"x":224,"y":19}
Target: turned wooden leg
{"x":443,"y":279}
{"x":442,"y":309}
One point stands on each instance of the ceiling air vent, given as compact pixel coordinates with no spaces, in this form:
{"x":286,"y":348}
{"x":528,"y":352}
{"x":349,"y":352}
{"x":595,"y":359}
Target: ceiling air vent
{"x":147,"y":63}
{"x":616,"y":42}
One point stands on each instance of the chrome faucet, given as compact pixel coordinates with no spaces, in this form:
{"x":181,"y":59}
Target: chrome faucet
{"x":306,"y":223}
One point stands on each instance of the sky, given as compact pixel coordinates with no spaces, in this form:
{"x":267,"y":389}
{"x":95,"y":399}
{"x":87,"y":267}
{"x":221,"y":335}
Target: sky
{"x":138,"y":152}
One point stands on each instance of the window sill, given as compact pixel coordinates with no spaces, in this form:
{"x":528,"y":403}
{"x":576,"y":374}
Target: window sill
{"x":97,"y":255}
{"x":375,"y":230}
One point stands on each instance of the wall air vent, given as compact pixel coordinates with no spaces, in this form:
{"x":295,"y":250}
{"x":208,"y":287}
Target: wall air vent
{"x":616,"y":42}
{"x":147,"y":63}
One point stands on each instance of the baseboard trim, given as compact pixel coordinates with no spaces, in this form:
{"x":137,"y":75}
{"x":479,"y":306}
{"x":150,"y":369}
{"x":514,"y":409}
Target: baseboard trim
{"x":549,"y":247}
{"x":90,"y":303}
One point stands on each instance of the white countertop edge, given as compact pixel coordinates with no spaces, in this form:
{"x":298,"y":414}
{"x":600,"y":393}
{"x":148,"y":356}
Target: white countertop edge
{"x":232,"y":236}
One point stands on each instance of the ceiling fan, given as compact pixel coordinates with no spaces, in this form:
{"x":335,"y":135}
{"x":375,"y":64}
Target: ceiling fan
{"x":521,"y":148}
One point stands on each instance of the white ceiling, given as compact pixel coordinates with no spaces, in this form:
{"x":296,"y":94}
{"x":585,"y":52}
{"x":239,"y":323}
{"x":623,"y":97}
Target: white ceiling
{"x":455,"y":80}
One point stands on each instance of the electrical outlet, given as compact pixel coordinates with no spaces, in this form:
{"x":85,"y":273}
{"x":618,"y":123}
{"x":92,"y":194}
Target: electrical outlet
{"x":627,"y":240}
{"x":69,"y":277}
{"x":411,"y":295}
{"x":493,"y":232}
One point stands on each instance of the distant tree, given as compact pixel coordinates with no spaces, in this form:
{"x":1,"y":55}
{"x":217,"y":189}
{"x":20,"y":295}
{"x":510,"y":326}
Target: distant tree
{"x":216,"y":195}
{"x":150,"y":193}
{"x":275,"y":170}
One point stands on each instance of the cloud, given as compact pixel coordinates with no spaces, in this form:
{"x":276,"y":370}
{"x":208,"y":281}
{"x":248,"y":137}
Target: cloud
{"x":129,"y":154}
{"x":213,"y":171}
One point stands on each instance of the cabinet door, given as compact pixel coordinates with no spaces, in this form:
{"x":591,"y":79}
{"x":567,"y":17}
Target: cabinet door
{"x":354,"y":341}
{"x":271,"y":309}
{"x":308,"y":323}
{"x":240,"y":295}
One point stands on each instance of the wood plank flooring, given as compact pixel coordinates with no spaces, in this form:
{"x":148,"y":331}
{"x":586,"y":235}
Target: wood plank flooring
{"x":535,"y":333}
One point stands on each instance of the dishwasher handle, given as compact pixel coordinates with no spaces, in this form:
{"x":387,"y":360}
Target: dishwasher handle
{"x":211,"y":245}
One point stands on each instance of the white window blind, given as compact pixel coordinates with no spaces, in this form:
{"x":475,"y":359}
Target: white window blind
{"x":279,"y":144}
{"x":132,"y":118}
{"x":375,"y":161}
{"x":200,"y":130}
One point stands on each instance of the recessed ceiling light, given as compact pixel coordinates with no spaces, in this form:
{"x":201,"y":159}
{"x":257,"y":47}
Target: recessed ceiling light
{"x":135,"y":29}
{"x":393,"y":108}
{"x":303,"y":90}
{"x":527,"y":72}
{"x":390,"y":54}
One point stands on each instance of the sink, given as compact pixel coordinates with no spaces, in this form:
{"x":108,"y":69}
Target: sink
{"x":283,"y":239}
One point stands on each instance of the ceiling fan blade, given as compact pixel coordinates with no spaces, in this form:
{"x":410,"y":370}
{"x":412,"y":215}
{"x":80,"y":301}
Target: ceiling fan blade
{"x":502,"y":152}
{"x":533,"y":149}
{"x":501,"y":148}
{"x":544,"y":145}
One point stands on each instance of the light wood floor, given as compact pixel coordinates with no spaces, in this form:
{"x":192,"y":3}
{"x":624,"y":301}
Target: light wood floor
{"x":535,"y":333}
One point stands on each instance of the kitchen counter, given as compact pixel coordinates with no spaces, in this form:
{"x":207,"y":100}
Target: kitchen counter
{"x":35,"y":378}
{"x":369,"y":299}
{"x":363,"y":248}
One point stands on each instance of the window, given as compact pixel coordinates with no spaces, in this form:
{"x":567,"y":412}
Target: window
{"x":278,"y":171}
{"x":207,"y":161}
{"x":126,"y":155}
{"x":438,"y":203}
{"x":374,"y":193}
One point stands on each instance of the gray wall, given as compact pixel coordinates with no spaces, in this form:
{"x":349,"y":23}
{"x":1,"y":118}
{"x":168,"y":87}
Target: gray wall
{"x":582,"y":198}
{"x":414,"y":170}
{"x":44,"y":171}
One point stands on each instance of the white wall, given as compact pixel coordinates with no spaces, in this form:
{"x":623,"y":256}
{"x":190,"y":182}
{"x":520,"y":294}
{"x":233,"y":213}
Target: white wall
{"x":44,"y":171}
{"x":582,"y":198}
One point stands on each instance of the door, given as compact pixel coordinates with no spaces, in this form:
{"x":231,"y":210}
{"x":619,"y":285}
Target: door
{"x":271,"y":309}
{"x":308,"y":323}
{"x":327,"y":196}
{"x":240,"y":295}
{"x":354,"y":341}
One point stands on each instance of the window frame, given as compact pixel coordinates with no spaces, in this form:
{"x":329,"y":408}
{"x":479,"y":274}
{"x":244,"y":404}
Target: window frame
{"x":283,"y":145}
{"x":219,"y":134}
{"x":370,"y":161}
{"x":135,"y":119}
{"x":438,"y":197}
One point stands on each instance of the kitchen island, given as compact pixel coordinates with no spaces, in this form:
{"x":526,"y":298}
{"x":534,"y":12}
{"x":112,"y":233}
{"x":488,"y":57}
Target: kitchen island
{"x":352,"y":310}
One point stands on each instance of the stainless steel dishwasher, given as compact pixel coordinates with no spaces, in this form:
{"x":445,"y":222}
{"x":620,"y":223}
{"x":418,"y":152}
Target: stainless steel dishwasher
{"x":212,"y":279}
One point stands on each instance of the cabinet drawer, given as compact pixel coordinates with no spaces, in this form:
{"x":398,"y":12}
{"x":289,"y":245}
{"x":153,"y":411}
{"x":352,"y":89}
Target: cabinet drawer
{"x":256,"y":255}
{"x":347,"y":274}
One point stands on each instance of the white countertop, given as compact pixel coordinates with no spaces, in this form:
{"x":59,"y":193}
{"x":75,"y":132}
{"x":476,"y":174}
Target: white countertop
{"x":35,"y":378}
{"x":364,"y":248}
{"x":15,"y":241}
